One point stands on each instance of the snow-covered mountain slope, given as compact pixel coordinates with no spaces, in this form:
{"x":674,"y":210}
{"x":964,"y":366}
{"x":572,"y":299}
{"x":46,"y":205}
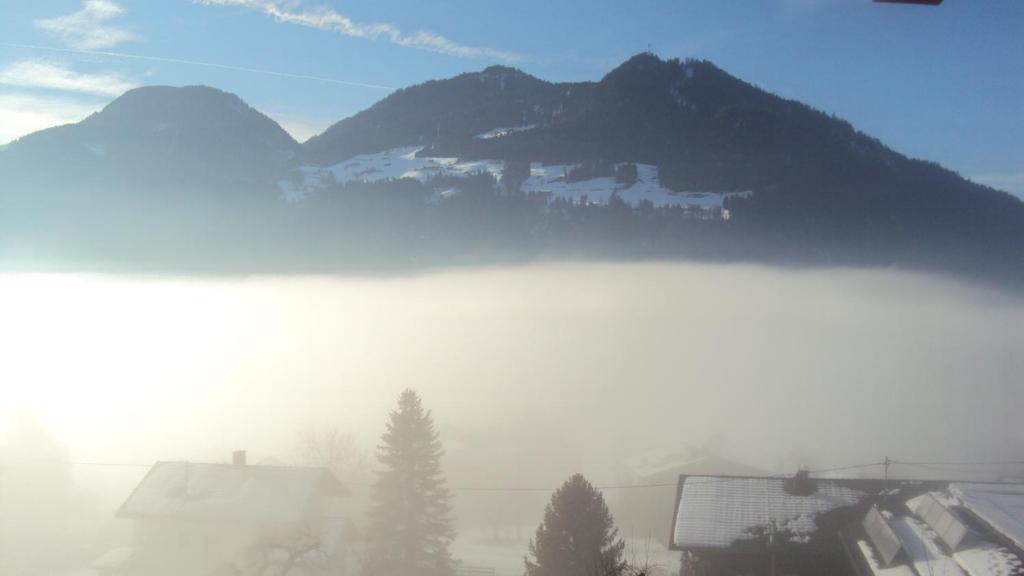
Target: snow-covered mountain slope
{"x":503,"y":131}
{"x":548,"y":179}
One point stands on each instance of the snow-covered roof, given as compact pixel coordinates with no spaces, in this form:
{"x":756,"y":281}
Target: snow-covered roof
{"x":1001,"y":506}
{"x":187,"y":490}
{"x":930,"y":523}
{"x":927,"y":553}
{"x":718,"y":511}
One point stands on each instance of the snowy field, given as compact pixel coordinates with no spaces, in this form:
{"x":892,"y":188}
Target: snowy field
{"x":545,"y":179}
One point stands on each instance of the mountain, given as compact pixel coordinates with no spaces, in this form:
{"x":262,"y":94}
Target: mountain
{"x":704,"y":128}
{"x":816,"y":189}
{"x":438,"y":111}
{"x":659,"y":158}
{"x":156,"y":136}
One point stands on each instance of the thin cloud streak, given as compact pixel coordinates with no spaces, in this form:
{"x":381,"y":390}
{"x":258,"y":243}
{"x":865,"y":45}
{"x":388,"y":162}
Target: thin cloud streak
{"x":330,"y":20}
{"x":146,"y":58}
{"x":59,"y":76}
{"x":88,"y":29}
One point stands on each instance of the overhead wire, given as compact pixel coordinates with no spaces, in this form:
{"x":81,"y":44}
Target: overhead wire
{"x":699,"y":478}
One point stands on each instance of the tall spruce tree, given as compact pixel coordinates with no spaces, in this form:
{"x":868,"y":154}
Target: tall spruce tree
{"x":578,"y":535}
{"x":410,"y":523}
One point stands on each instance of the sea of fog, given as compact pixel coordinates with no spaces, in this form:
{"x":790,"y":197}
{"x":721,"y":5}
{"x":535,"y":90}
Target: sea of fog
{"x":532,"y":373}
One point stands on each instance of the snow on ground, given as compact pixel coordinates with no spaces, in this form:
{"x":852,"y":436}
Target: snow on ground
{"x":877,"y":569}
{"x":403,"y":163}
{"x":988,"y":559}
{"x":550,"y":179}
{"x":499,"y":132}
{"x":544,"y":179}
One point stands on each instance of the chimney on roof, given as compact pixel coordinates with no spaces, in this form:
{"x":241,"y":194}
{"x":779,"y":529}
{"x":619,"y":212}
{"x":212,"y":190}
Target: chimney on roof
{"x":801,"y":484}
{"x":238,"y":457}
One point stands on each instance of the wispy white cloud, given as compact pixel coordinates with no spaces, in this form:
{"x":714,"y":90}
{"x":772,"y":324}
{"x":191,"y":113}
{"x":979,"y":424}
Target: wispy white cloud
{"x":323,"y":18}
{"x":22,"y":114}
{"x":90,"y":27}
{"x":60,"y":76}
{"x":217,"y":65}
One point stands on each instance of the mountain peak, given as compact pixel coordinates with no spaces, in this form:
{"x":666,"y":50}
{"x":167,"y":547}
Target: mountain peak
{"x":499,"y":69}
{"x":650,"y":64}
{"x":641,"y":60}
{"x":176,"y":100}
{"x":504,"y":75}
{"x":165,"y":134}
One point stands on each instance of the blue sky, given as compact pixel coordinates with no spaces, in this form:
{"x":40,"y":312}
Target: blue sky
{"x":945,"y":83}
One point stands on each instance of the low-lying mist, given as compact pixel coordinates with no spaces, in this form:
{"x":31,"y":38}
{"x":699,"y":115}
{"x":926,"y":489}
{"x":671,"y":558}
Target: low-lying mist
{"x":532,"y":373}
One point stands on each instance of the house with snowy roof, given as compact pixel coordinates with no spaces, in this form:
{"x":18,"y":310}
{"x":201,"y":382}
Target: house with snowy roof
{"x":732,"y":525}
{"x":644,"y":511}
{"x":210,"y":519}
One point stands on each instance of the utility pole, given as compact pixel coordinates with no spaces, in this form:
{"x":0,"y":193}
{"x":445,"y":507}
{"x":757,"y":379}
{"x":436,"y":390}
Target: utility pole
{"x":885,"y":483}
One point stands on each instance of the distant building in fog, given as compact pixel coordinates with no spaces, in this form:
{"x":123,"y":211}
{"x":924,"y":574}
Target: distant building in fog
{"x":235,"y":519}
{"x":755,"y":525}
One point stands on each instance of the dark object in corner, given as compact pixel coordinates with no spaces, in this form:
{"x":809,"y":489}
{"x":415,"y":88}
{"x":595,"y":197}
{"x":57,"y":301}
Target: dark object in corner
{"x":928,"y":2}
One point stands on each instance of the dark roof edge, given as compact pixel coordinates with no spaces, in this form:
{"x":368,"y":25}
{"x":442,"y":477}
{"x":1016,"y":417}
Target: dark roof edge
{"x":894,"y":481}
{"x":325,"y":473}
{"x":120,"y":509}
{"x":230,"y":465}
{"x":675,"y":514}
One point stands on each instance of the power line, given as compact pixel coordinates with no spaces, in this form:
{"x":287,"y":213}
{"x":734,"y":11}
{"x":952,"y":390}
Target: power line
{"x":841,"y":468}
{"x":976,"y":463}
{"x":698,"y":479}
{"x":82,"y":463}
{"x":925,"y":467}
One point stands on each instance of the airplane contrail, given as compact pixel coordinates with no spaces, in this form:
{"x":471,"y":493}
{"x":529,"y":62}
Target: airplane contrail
{"x":198,"y":63}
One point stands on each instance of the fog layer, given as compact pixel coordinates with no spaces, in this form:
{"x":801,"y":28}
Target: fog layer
{"x":563,"y":367}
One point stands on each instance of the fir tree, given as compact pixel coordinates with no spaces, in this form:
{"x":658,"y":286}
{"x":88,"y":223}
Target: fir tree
{"x":578,"y":536}
{"x":410,"y":524}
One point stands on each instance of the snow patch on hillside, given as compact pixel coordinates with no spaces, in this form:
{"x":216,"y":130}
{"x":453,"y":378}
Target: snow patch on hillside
{"x":549,"y":179}
{"x":499,"y":132}
{"x":403,"y":163}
